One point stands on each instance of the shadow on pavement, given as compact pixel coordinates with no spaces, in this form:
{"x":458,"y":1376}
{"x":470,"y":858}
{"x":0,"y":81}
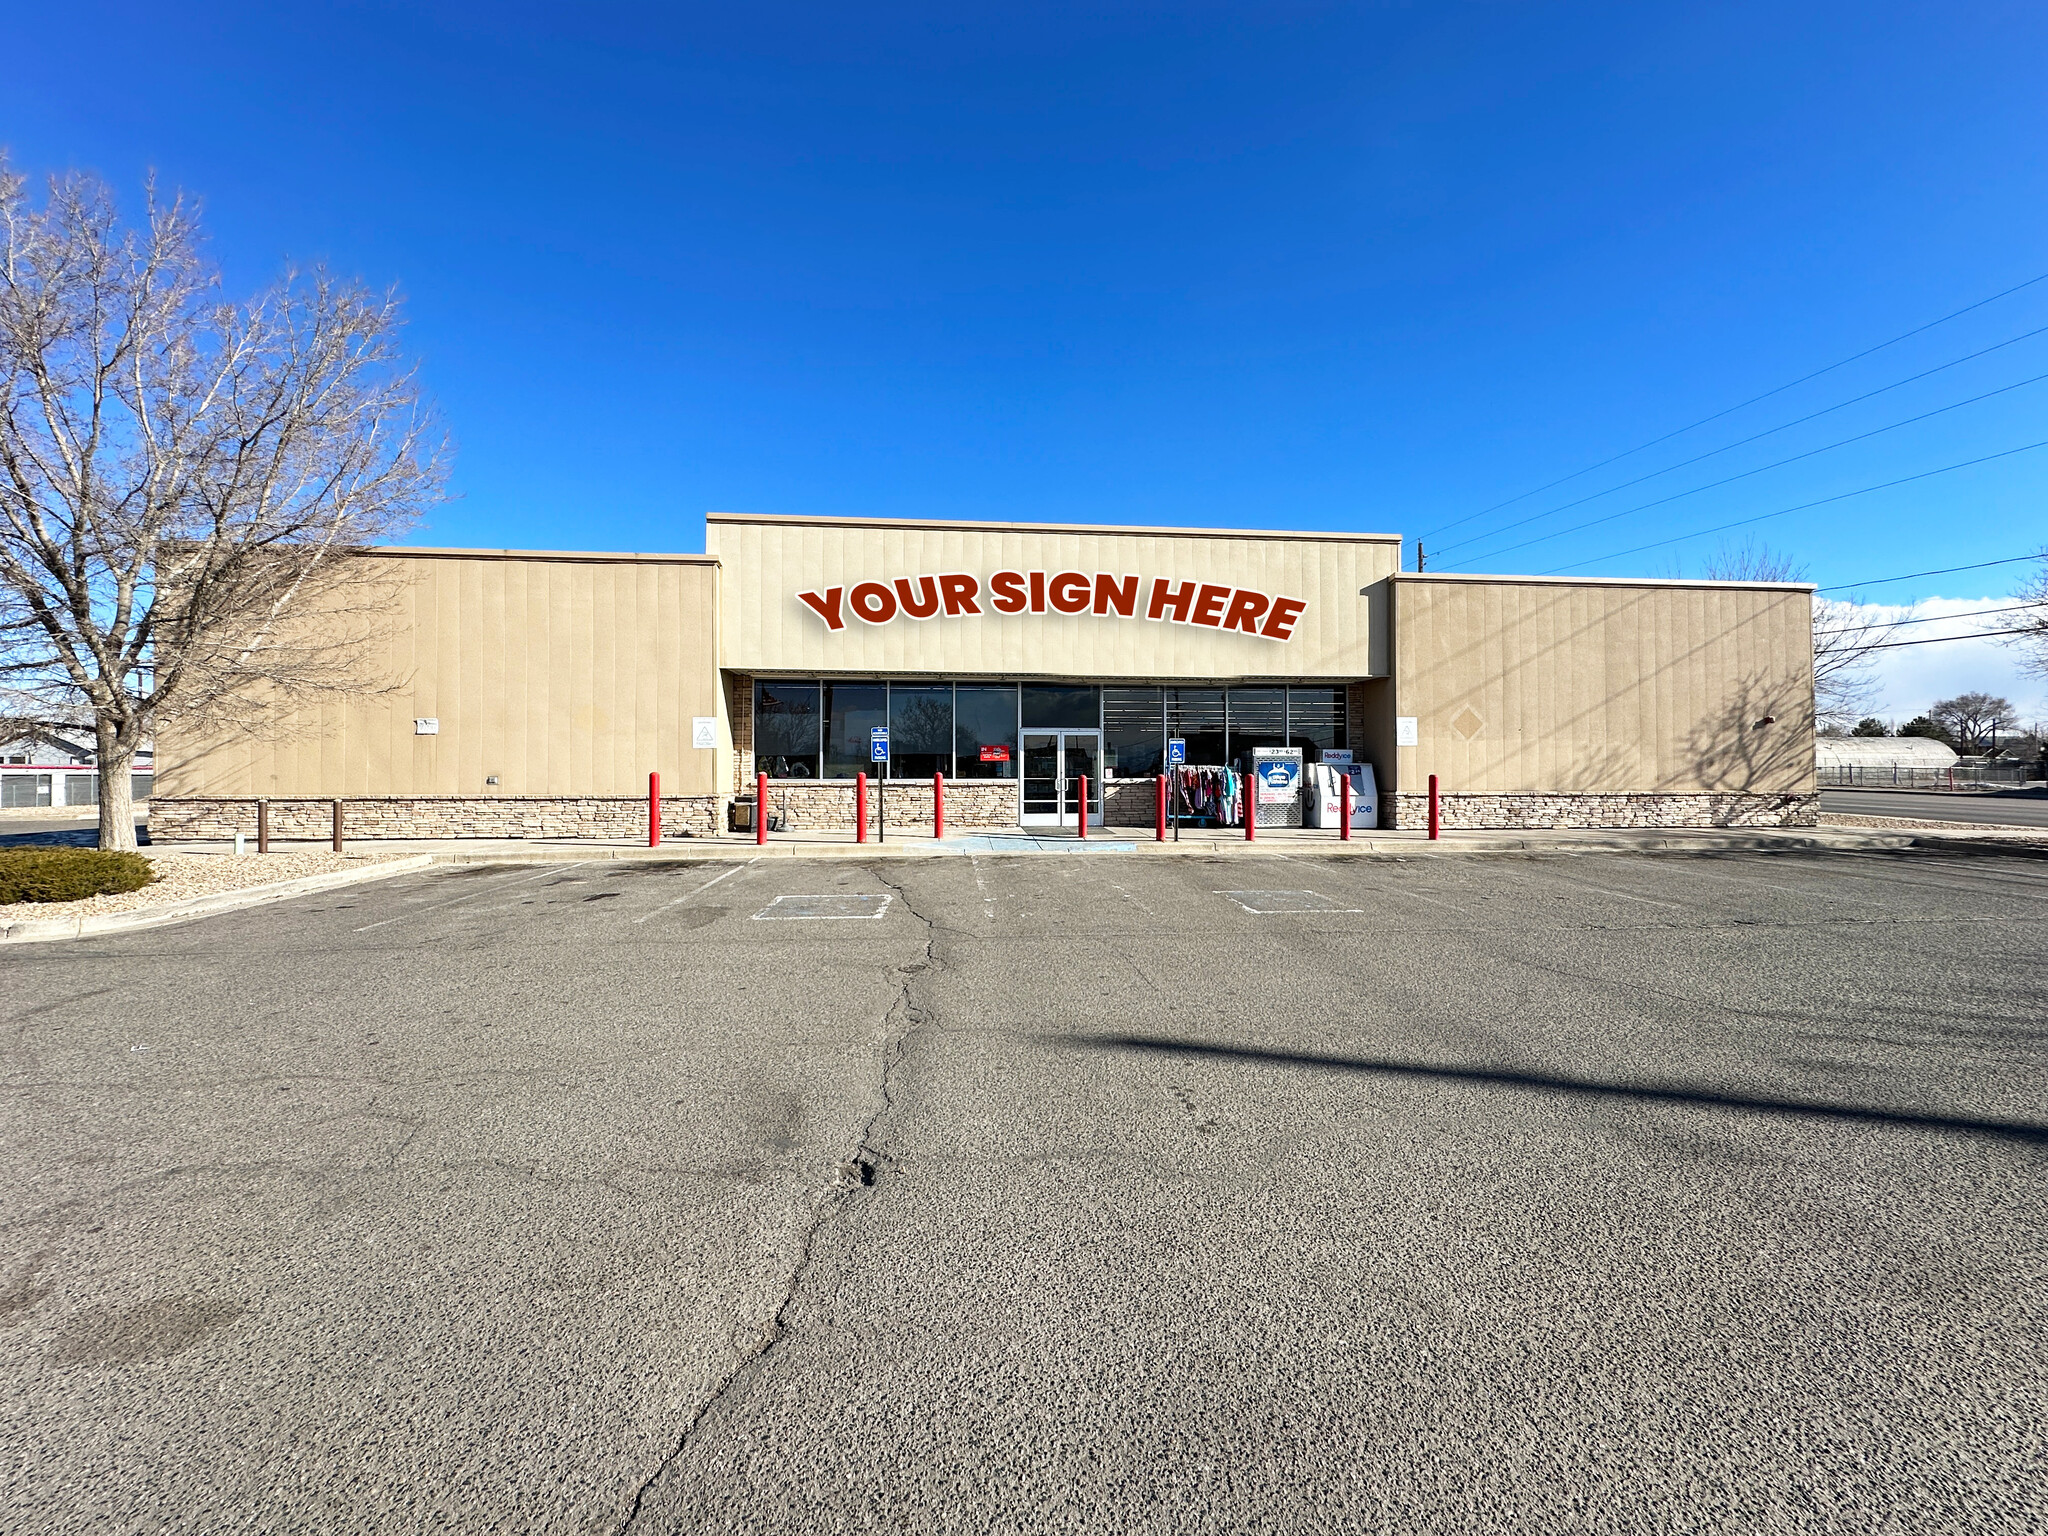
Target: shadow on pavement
{"x":2018,"y":1129}
{"x":66,"y":837}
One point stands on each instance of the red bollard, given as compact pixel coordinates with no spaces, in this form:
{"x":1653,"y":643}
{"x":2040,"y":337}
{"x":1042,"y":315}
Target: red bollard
{"x":1162,"y":808}
{"x":1084,"y":805}
{"x":760,"y":807}
{"x":938,"y":806}
{"x":1435,"y":820}
{"x":654,"y":810}
{"x":1344,"y":808}
{"x":860,"y":807}
{"x":1251,"y":811}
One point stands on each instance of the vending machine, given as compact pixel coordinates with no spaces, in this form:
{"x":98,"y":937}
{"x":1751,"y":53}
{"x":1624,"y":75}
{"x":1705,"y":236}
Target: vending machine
{"x":1324,"y":796}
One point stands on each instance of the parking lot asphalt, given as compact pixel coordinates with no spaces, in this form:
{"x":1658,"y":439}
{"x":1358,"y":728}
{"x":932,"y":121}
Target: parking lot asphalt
{"x":1600,"y":1193}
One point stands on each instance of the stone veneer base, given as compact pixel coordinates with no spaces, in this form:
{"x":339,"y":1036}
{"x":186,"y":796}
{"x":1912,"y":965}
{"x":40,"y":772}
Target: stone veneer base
{"x":375,"y":818}
{"x":827,"y":805}
{"x":971,"y":804}
{"x":1527,"y":812}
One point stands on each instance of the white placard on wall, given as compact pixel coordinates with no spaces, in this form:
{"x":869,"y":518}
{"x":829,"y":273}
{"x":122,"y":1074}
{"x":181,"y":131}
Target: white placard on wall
{"x":1405,"y":732}
{"x":426,"y":725}
{"x":703,"y":730}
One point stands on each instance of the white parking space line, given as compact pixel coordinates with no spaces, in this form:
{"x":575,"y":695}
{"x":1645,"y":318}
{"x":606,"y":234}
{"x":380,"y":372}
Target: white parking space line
{"x":834,"y":907}
{"x":1594,"y":886}
{"x":988,"y":902}
{"x":699,"y":891}
{"x":1267,"y":903}
{"x":491,"y":889}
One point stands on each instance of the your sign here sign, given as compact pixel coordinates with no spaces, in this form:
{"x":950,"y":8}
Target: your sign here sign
{"x":1161,"y":601}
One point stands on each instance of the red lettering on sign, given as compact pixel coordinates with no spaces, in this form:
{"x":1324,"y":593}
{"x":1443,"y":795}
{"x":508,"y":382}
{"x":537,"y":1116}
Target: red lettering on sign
{"x":995,"y":754}
{"x":1178,"y":600}
{"x":872,"y":602}
{"x":1208,"y":605}
{"x":826,"y":607}
{"x":959,"y":591}
{"x":1069,"y":592}
{"x":927,"y":602}
{"x":1280,"y":622}
{"x":1245,"y":608}
{"x":1116,"y":592}
{"x":1213,"y":606}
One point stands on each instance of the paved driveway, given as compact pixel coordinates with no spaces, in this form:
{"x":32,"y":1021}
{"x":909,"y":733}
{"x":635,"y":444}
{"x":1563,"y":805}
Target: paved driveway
{"x":1094,"y":1194}
{"x":2010,"y":807}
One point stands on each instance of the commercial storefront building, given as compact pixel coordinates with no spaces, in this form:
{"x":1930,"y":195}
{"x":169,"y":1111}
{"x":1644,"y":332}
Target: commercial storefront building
{"x":532,"y":693}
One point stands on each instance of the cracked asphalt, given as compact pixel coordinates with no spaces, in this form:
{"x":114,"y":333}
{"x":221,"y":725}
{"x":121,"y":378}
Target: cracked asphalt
{"x":1601,"y":1193}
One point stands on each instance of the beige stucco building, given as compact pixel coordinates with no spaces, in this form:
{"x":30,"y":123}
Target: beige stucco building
{"x":534,"y":692}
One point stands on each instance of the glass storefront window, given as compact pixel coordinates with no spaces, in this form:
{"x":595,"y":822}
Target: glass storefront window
{"x":1196,"y":714}
{"x":1316,"y":721}
{"x":920,"y":730}
{"x":1061,"y":706}
{"x":970,"y":730}
{"x":985,"y":731}
{"x":1133,"y":732}
{"x":852,"y":711}
{"x":1258,"y":718}
{"x":786,"y":730}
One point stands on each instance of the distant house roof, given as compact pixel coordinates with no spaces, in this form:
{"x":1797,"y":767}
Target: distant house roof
{"x":1882,"y":752}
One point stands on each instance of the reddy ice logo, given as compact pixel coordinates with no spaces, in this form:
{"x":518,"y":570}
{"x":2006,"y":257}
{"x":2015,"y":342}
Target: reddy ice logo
{"x":1208,"y":604}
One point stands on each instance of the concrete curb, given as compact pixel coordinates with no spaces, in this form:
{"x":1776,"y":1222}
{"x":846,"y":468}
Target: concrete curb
{"x":37,"y":932}
{"x":1143,"y":847}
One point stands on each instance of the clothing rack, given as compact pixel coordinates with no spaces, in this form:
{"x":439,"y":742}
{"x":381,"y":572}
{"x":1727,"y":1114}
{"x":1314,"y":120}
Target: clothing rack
{"x":1207,"y":792}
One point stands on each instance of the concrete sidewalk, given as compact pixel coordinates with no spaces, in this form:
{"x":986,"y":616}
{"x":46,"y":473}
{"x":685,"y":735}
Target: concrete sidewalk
{"x":1276,"y":842}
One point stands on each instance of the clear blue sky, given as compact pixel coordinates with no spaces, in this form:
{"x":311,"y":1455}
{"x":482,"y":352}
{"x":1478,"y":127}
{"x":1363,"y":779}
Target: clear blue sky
{"x":1368,"y":266}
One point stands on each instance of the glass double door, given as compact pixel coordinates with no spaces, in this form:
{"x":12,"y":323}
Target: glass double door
{"x":1055,"y":762}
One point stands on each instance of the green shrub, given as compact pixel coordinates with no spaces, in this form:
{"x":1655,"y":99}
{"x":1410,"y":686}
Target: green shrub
{"x":69,"y":874}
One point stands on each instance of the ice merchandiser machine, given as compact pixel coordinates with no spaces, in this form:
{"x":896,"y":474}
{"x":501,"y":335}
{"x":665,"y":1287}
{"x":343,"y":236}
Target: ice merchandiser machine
{"x":1326,"y":791}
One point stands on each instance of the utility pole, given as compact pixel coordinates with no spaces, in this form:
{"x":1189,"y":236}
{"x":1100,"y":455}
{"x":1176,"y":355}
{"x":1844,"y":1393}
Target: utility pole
{"x":1421,"y":562}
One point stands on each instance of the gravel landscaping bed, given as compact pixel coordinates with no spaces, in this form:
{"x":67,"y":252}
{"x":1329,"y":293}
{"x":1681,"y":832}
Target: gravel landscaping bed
{"x":1909,"y":823}
{"x":182,"y":876}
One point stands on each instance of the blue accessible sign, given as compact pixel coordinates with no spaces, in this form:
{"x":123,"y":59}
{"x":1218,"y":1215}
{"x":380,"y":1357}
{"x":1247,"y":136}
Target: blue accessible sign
{"x":878,"y":743}
{"x":1176,"y":753}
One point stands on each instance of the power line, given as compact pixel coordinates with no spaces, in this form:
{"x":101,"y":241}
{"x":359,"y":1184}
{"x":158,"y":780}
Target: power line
{"x":1950,"y":570}
{"x":1754,"y":437}
{"x":1712,"y":485}
{"x":1804,"y":506}
{"x":1933,"y":618}
{"x":1893,"y":645}
{"x":1753,"y":400}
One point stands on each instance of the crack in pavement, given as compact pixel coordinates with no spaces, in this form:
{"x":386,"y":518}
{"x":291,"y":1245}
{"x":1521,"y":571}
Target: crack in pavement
{"x":903,"y":1019}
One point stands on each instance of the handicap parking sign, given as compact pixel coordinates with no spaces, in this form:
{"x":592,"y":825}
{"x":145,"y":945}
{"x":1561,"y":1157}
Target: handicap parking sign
{"x":1176,"y":753}
{"x":878,"y":743}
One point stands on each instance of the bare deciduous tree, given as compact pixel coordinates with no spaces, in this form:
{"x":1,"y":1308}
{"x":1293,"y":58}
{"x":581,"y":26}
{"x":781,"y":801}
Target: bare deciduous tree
{"x":1845,"y":637}
{"x":1973,"y":720}
{"x":2027,"y":630}
{"x":182,"y":478}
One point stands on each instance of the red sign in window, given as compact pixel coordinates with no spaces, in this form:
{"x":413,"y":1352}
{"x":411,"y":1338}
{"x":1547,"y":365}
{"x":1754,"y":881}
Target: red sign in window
{"x":995,"y":754}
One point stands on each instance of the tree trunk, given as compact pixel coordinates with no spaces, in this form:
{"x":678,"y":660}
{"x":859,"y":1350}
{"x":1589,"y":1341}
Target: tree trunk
{"x":117,"y":799}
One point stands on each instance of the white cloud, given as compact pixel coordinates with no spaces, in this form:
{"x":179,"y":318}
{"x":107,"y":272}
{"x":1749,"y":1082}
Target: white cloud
{"x":1912,"y":677}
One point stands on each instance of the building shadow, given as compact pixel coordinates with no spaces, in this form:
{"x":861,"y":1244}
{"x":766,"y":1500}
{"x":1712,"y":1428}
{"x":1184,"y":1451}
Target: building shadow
{"x":2032,"y":1132}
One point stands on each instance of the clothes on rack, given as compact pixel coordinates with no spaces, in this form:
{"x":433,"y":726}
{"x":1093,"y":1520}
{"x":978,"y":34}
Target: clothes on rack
{"x":1204,"y":793}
